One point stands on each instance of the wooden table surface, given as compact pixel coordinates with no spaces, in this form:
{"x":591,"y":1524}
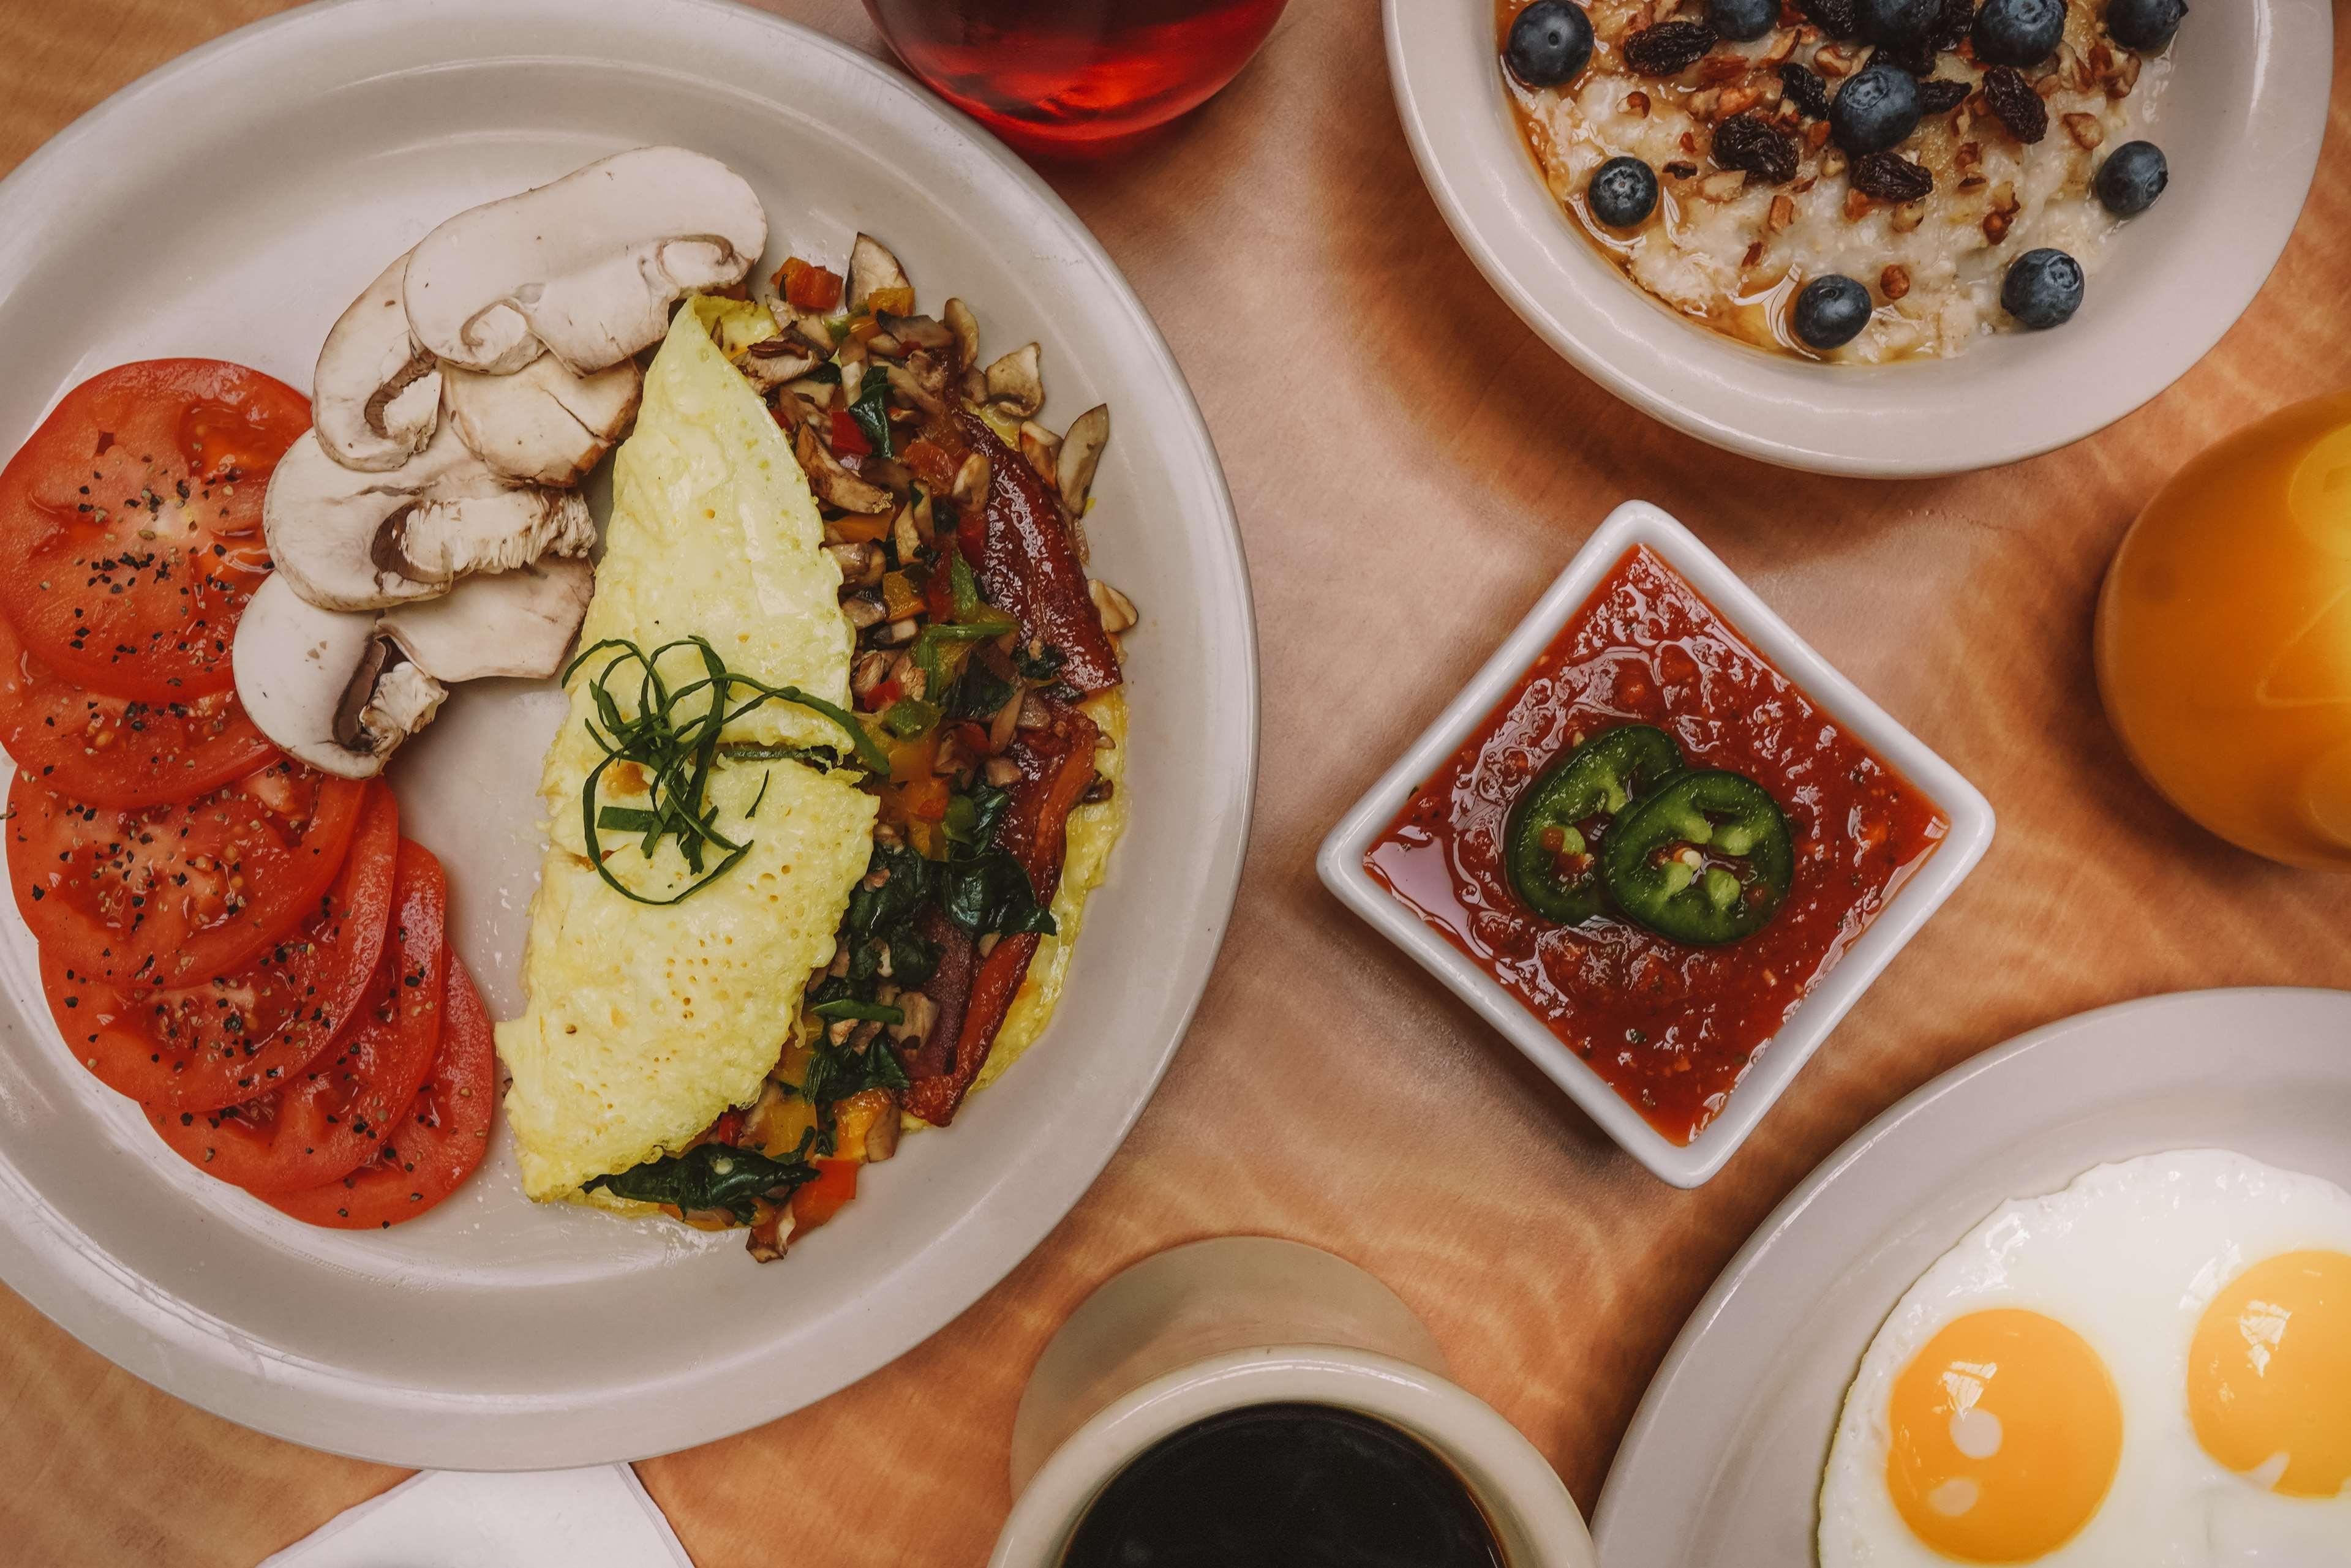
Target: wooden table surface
{"x":1406,"y":457}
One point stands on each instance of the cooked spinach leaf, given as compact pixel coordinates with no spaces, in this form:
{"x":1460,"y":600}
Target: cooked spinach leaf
{"x":711,"y":1176}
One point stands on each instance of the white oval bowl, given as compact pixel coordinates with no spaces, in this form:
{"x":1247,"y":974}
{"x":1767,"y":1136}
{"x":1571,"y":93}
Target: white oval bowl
{"x":230,"y":205}
{"x":2240,"y":123}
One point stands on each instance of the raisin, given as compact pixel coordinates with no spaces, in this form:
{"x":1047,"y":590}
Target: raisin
{"x":1805,"y":90}
{"x":1837,"y":18}
{"x":1745,"y":141}
{"x":2019,"y":106}
{"x":1952,"y":27}
{"x":1940,"y":96}
{"x":1917,"y":55}
{"x":1888,"y":177}
{"x":1668,"y":48}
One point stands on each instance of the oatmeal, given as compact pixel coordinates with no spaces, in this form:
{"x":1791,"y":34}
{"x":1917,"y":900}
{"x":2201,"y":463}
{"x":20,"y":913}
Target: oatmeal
{"x":1775,"y":165}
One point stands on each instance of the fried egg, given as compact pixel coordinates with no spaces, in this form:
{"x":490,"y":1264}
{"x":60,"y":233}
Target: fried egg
{"x":2149,"y":1369}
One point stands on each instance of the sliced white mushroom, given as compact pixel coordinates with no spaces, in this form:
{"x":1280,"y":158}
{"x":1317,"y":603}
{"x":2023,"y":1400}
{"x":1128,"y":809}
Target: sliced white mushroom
{"x":872,"y":269}
{"x":375,"y":393}
{"x":1016,"y":383}
{"x":543,"y":424}
{"x":587,"y":266}
{"x":1082,"y":450}
{"x":348,"y":540}
{"x":322,"y":684}
{"x":515,"y":622}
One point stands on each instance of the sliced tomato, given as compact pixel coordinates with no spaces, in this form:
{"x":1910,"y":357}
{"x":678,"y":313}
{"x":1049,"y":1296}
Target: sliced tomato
{"x":120,"y":751}
{"x":333,"y":1119}
{"x":163,"y":895}
{"x":199,"y":1047}
{"x":130,"y":523}
{"x":429,"y":1155}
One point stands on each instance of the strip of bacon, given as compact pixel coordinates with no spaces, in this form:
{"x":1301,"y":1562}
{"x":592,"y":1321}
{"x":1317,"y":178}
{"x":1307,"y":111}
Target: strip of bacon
{"x":1028,"y":565}
{"x":1057,"y":768}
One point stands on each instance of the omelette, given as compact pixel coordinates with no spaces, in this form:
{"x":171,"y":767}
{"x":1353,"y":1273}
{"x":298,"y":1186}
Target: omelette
{"x":842,"y":763}
{"x":647,"y":1021}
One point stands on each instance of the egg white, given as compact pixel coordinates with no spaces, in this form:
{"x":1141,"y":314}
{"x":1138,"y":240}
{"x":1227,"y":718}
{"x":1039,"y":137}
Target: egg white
{"x":2129,"y":1257}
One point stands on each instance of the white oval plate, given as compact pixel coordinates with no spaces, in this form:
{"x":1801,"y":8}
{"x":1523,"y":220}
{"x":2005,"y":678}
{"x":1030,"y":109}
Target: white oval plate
{"x":2242,"y":122}
{"x":1722,"y":1465}
{"x":230,"y":205}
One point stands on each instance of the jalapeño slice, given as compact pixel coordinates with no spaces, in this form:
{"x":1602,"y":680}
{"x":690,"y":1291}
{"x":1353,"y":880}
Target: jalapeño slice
{"x":1553,"y":864}
{"x":1704,"y":859}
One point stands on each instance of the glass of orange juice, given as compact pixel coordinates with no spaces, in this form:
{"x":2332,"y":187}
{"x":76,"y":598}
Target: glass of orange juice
{"x":2224,"y":637}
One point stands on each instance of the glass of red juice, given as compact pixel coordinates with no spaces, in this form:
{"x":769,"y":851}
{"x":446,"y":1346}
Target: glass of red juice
{"x":1073,"y":75}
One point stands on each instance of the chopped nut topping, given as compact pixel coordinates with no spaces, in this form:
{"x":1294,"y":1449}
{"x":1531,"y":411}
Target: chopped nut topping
{"x":1783,"y":213}
{"x":2084,"y":129}
{"x":1895,"y":281}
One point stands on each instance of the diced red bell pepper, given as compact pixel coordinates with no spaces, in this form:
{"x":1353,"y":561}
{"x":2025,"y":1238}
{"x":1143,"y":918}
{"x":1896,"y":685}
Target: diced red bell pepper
{"x":848,"y":437}
{"x":808,"y":288}
{"x":814,"y":1202}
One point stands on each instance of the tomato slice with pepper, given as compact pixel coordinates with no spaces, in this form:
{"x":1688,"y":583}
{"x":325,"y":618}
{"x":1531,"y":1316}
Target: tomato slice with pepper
{"x":340,"y":1113}
{"x":226,"y":1038}
{"x":120,"y":751}
{"x":130,"y":522}
{"x":162,"y":896}
{"x":431,"y":1154}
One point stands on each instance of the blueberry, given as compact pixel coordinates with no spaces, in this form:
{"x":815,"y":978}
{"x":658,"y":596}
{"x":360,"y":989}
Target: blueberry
{"x":1622,"y":191}
{"x":1549,"y":43}
{"x":1742,"y":21}
{"x":2145,"y":24}
{"x":2020,"y":33}
{"x":2042,"y":288}
{"x":1832,"y":311}
{"x":2132,"y":177}
{"x":1898,"y":21}
{"x":1875,"y":109}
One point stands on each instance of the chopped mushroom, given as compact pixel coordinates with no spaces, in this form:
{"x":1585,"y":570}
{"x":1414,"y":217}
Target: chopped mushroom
{"x":347,"y":540}
{"x":1043,"y":448}
{"x":833,"y":483}
{"x":1082,"y":450}
{"x":1016,"y":383}
{"x":872,"y":269}
{"x":543,"y":425}
{"x":375,"y":393}
{"x":322,"y":682}
{"x":966,"y":328}
{"x":588,"y":266}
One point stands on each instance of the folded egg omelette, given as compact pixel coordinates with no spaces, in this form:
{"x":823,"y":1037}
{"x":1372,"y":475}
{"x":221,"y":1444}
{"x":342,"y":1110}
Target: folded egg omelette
{"x":647,"y":1020}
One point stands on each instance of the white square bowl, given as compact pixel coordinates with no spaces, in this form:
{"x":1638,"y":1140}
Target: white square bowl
{"x":1341,"y":862}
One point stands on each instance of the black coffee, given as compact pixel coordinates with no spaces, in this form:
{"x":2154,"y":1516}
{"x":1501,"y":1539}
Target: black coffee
{"x":1286,"y":1486}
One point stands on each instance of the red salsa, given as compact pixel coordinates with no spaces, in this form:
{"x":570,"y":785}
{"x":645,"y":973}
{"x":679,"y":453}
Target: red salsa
{"x":1671,"y":1028}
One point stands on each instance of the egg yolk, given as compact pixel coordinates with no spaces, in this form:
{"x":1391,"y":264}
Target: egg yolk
{"x":2004,"y":1434}
{"x":2269,"y":1374}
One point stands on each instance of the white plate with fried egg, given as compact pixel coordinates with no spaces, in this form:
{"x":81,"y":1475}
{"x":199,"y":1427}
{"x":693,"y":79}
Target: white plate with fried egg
{"x":2084,"y":1299}
{"x":274,"y":171}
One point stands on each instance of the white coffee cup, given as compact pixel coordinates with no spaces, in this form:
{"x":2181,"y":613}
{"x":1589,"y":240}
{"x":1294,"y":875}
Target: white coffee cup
{"x":1244,"y":1321}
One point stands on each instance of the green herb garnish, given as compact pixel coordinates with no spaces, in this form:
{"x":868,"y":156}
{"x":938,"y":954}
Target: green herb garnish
{"x":673,"y":735}
{"x":710,"y":1176}
{"x":872,"y":414}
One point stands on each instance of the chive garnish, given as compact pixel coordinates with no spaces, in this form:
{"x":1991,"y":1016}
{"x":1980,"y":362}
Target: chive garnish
{"x":673,"y":735}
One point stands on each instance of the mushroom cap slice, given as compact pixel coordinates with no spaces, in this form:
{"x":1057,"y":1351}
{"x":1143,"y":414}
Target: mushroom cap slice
{"x":320,"y":685}
{"x":543,"y":424}
{"x":872,"y":269}
{"x":587,"y":266}
{"x":348,"y":540}
{"x":515,"y":622}
{"x":375,"y":393}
